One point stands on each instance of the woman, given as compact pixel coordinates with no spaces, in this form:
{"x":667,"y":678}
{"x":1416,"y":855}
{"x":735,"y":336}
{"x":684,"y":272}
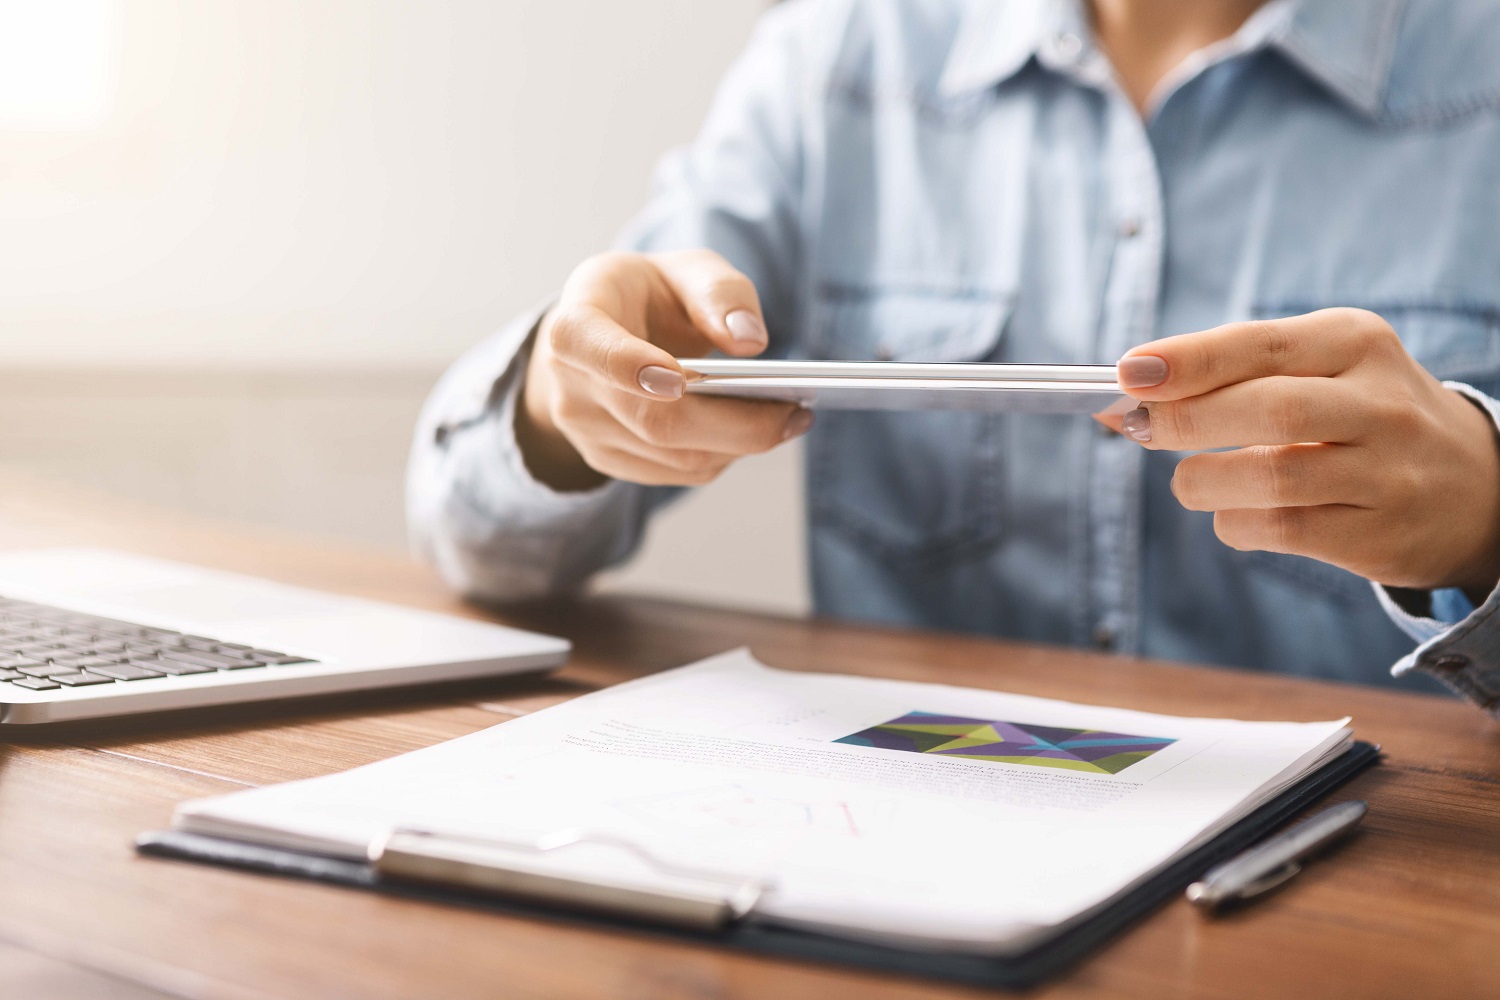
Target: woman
{"x":1280,"y":217}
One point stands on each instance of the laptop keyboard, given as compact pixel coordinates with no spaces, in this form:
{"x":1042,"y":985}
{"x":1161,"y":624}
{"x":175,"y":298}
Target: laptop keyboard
{"x":43,"y":648}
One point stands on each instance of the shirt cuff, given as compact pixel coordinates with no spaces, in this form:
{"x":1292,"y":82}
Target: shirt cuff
{"x":1458,"y":643}
{"x":476,"y":511}
{"x":498,"y":482}
{"x":545,"y":539}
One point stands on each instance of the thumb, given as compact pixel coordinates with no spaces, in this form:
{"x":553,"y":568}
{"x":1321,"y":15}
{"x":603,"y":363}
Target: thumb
{"x":721,"y":302}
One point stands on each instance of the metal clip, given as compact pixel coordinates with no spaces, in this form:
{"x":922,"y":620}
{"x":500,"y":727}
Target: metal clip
{"x":667,"y":893}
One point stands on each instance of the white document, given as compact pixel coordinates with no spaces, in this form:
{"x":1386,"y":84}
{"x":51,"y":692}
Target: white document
{"x":891,"y":385}
{"x":925,"y":815}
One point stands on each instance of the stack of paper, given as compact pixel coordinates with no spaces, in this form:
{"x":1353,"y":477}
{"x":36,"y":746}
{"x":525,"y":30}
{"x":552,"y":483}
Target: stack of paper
{"x":930,"y":816}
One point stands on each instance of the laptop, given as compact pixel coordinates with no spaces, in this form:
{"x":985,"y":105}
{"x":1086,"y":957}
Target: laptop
{"x":86,"y":633}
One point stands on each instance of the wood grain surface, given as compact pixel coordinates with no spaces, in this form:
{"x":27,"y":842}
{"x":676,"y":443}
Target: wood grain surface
{"x":1409,"y":907}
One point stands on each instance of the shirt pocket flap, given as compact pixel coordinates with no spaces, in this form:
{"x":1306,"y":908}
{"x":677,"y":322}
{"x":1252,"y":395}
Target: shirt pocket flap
{"x":861,"y":324}
{"x":1457,"y":342}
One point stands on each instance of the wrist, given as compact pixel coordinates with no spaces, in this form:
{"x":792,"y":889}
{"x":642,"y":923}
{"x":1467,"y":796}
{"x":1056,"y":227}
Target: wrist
{"x":1478,"y":575}
{"x":546,"y":451}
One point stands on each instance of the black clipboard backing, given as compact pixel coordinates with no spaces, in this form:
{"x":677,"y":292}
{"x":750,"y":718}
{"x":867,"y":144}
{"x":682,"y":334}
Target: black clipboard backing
{"x":1021,"y":971}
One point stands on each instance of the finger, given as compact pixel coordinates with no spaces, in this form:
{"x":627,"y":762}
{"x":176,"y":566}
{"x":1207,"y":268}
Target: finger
{"x":726,"y":426}
{"x":1298,"y":475}
{"x":1277,"y":410}
{"x":587,"y":341}
{"x":721,"y":302}
{"x":1332,"y":533}
{"x":1324,"y":343}
{"x":622,"y":461}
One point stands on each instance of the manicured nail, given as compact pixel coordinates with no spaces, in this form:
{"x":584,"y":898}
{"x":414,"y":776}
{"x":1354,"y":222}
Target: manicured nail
{"x":662,"y":382}
{"x":797,"y":424}
{"x":1137,"y":424}
{"x":745,"y":327}
{"x":1142,"y":372}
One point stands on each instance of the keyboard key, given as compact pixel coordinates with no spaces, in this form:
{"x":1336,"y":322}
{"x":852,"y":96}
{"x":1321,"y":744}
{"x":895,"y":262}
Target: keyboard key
{"x":171,"y":666}
{"x":81,"y":679}
{"x":278,"y":659}
{"x":68,"y":656}
{"x":124,"y":629}
{"x":234,"y":647}
{"x":79,"y":662}
{"x":90,"y":662}
{"x":127,"y":672}
{"x":35,"y":684}
{"x":97,"y":647}
{"x":47,"y":669}
{"x":216,"y":660}
{"x":10,"y":675}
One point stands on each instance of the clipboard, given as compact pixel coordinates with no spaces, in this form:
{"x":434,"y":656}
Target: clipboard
{"x":720,"y":910}
{"x":892,"y":385}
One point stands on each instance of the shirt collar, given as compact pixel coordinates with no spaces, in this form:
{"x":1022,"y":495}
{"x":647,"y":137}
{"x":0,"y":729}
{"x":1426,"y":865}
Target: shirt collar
{"x":1347,"y":46}
{"x":995,"y":40}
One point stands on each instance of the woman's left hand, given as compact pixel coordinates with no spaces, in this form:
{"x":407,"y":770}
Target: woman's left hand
{"x":1343,"y":447}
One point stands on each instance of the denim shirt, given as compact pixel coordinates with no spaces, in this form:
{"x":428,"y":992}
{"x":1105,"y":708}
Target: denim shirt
{"x":966,"y":181}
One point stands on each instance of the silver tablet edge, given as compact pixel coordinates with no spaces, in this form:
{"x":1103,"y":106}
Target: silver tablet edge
{"x":751,"y":368}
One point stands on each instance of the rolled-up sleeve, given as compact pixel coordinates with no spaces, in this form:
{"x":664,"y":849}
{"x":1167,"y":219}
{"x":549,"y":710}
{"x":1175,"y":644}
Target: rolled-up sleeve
{"x":477,"y":513}
{"x":474,"y":509}
{"x":1458,"y":643}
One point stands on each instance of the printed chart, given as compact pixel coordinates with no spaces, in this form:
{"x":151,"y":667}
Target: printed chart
{"x":1009,"y":742}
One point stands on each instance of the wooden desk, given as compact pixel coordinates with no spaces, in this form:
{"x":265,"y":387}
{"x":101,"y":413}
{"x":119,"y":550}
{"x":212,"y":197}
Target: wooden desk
{"x":1411,"y":907}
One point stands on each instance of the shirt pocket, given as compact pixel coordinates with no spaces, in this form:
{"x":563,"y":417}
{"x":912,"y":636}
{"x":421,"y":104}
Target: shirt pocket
{"x":912,"y":489}
{"x":1454,"y":342}
{"x":1460,"y":344}
{"x":908,"y":323}
{"x":1457,"y":342}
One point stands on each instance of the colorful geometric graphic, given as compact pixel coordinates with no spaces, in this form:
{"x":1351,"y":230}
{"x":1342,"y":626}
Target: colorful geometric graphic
{"x":1009,"y":742}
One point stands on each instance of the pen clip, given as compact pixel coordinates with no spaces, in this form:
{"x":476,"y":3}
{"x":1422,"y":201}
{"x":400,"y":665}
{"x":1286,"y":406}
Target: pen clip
{"x":1268,"y":882}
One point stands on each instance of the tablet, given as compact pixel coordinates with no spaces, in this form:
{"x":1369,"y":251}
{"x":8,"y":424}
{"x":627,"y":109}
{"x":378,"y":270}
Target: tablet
{"x":892,"y":385}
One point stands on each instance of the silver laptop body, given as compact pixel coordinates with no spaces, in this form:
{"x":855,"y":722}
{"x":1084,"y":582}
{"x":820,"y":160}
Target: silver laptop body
{"x":91,"y":632}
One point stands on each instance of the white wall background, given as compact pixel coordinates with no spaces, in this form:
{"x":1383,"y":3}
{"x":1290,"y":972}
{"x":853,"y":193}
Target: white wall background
{"x":339,"y":195}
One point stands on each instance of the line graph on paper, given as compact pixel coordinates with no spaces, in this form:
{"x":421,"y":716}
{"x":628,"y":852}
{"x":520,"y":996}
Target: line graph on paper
{"x":740,"y":807}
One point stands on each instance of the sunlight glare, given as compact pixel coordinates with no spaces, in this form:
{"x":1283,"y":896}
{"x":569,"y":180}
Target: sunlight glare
{"x":58,"y":62}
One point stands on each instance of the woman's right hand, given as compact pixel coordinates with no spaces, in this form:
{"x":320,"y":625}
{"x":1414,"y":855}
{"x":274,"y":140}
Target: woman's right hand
{"x":604,"y":395}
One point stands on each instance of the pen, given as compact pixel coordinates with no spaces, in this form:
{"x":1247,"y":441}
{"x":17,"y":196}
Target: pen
{"x":1278,"y":859}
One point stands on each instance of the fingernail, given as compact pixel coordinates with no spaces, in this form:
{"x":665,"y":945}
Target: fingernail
{"x":662,"y":382}
{"x":798,"y":423}
{"x":1137,"y":424}
{"x":745,"y":327}
{"x":1142,"y":372}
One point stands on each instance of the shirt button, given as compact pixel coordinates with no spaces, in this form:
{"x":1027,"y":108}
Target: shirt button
{"x":1130,"y":226}
{"x":1068,"y":45}
{"x":1104,"y":636}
